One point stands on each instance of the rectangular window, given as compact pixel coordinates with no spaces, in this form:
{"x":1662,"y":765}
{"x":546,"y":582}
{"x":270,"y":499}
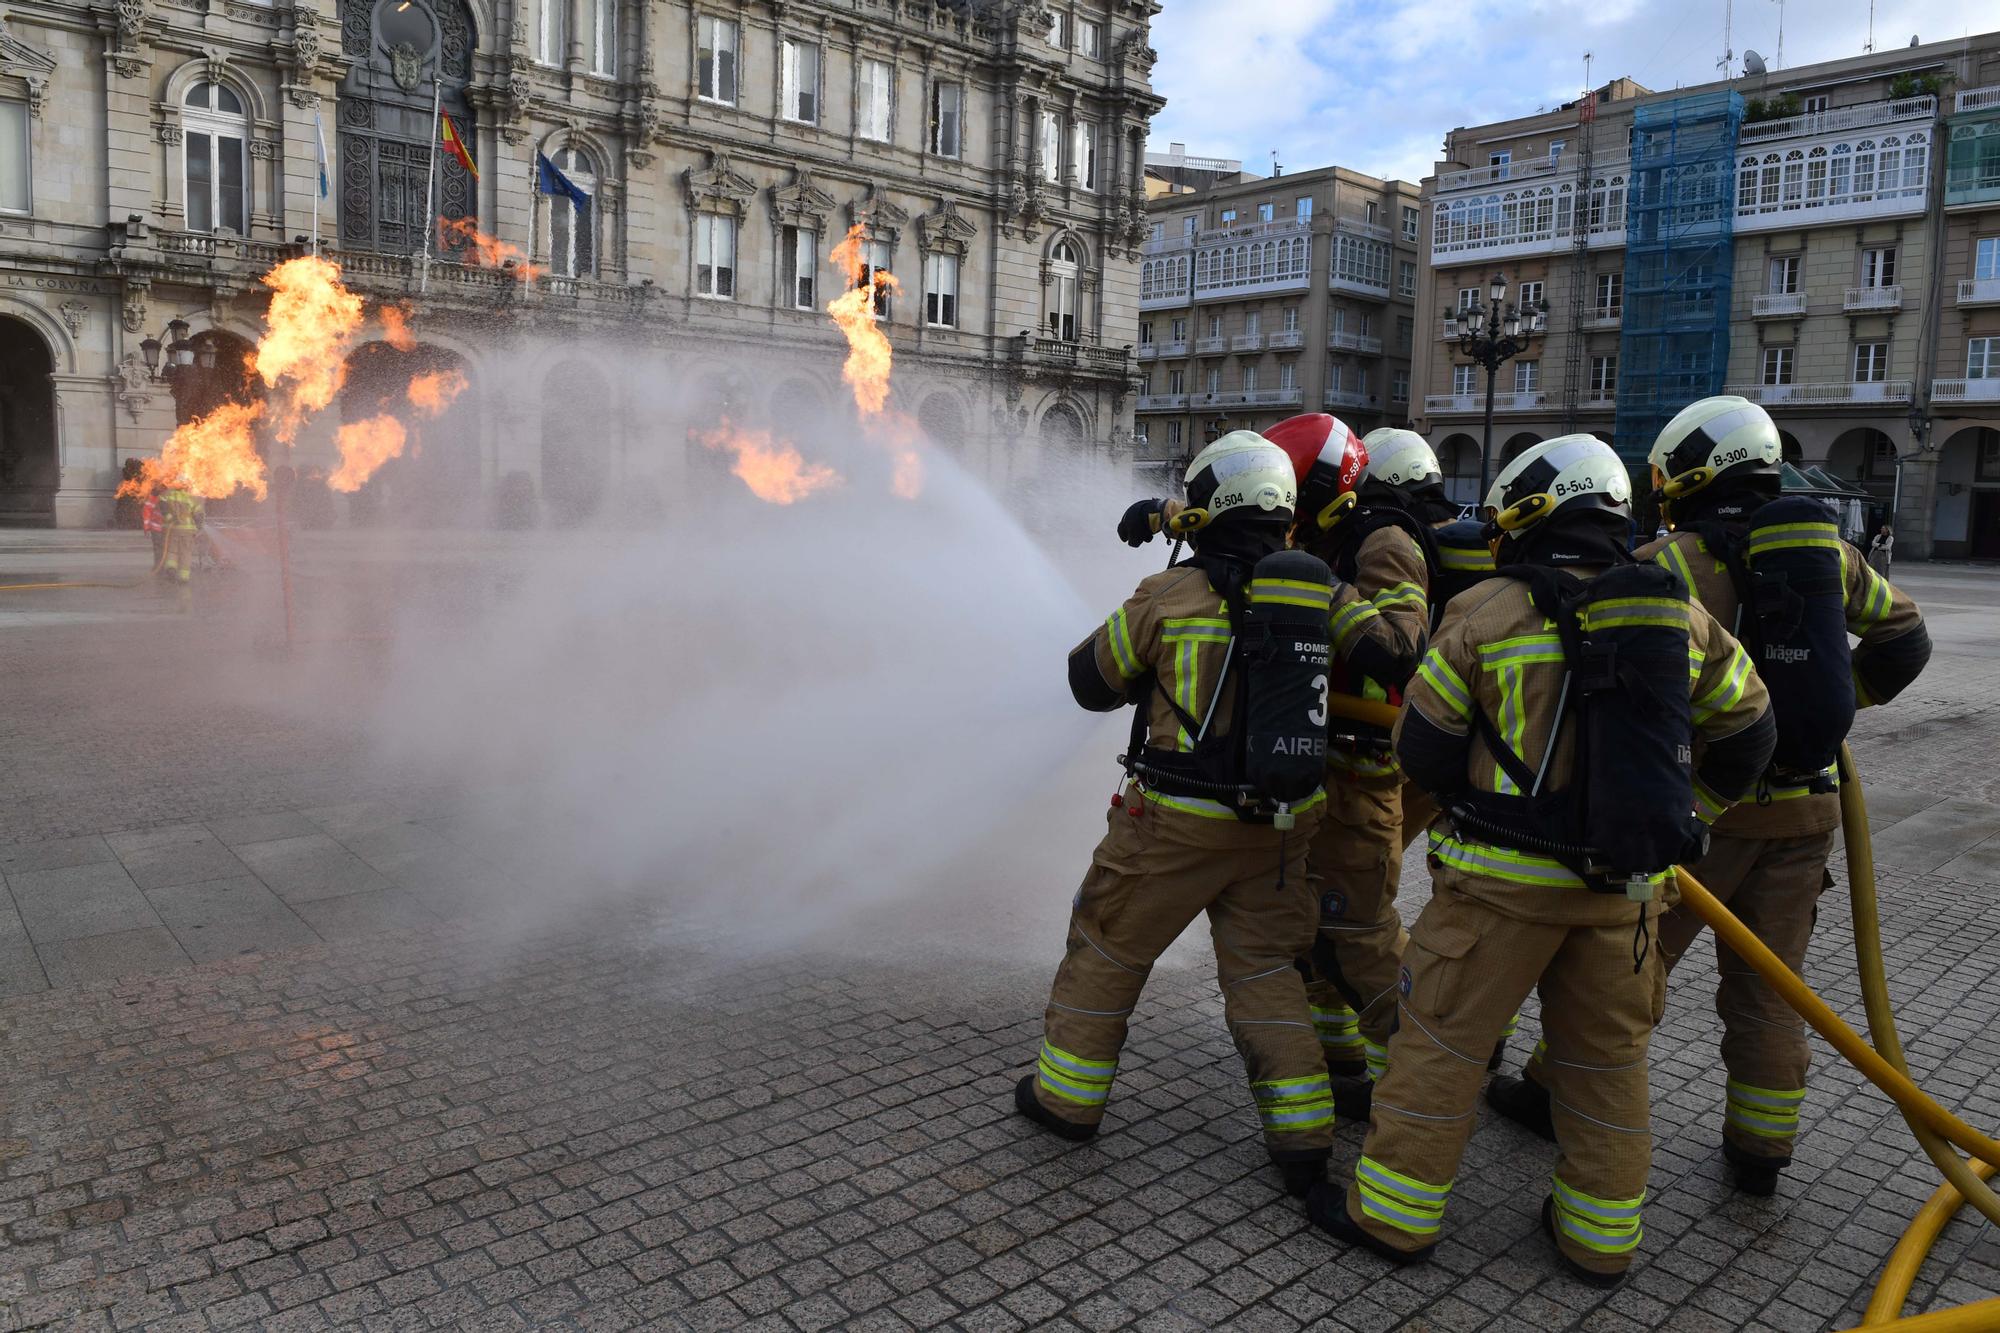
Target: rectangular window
{"x":1159,"y":232}
{"x":1340,"y":319}
{"x":604,"y":37}
{"x":1399,"y":387}
{"x":1527,"y":376}
{"x":552,"y":34}
{"x":1090,"y":39}
{"x":1500,"y":161}
{"x":1145,"y":333}
{"x":801,"y":267}
{"x":1051,"y":146}
{"x":1368,"y":324}
{"x":1215,"y":380}
{"x":1180,"y":331}
{"x":200,"y":182}
{"x":1371,"y":212}
{"x":1228,"y":216}
{"x":1406,"y":278}
{"x":1361,"y":380}
{"x":1333,"y":376}
{"x":1871,"y":362}
{"x":1878,"y":267}
{"x":1253,"y":323}
{"x":1603,"y":378}
{"x":1189,"y":225}
{"x":1291,"y":319}
{"x":14,"y":193}
{"x":947,"y":118}
{"x":716,"y":56}
{"x":941,"y":291}
{"x":1288,"y":376}
{"x":1412,"y":220}
{"x":1461,"y":380}
{"x":1777,"y":365}
{"x":875,"y":259}
{"x":1815,"y":104}
{"x":1083,"y":153}
{"x":715,"y":256}
{"x":871,"y":111}
{"x":1467,"y":298}
{"x":1406,"y":332}
{"x":1784,"y":276}
{"x":1530,"y":296}
{"x":1982,"y":358}
{"x":1610,"y":293}
{"x":801,"y":91}
{"x":1250,"y":379}
{"x":1174,"y":429}
{"x":1304,"y":207}
{"x":1556,"y":147}
{"x":1059,"y":31}
{"x":1177,"y":381}
{"x":1215,"y":326}
{"x":1985,"y":256}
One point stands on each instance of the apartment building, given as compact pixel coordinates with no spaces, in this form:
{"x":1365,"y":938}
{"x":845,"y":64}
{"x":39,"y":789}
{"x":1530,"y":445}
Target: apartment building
{"x":1791,"y":236}
{"x":1265,"y":298}
{"x":158,"y":156}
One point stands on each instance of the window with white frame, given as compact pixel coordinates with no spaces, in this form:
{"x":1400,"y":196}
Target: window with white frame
{"x":1214,"y":380}
{"x":1190,"y":224}
{"x":799,"y":263}
{"x":801,"y":81}
{"x":1288,"y":376}
{"x":1982,"y":358}
{"x":213,"y":158}
{"x":1871,"y":362}
{"x":1878,"y":266}
{"x":1406,"y":278}
{"x":1291,"y":319}
{"x":1083,"y":153}
{"x":552,"y":33}
{"x":1815,"y":104}
{"x":1777,"y":365}
{"x":947,"y":119}
{"x":1406,"y":333}
{"x":1610,"y":294}
{"x":1228,"y":216}
{"x":1340,"y":319}
{"x":1253,"y":323}
{"x":1159,"y":231}
{"x":715,"y":59}
{"x":1174,"y":432}
{"x":1986,"y":257}
{"x":1090,"y":39}
{"x":1556,"y":147}
{"x":1603,"y":378}
{"x":1177,"y":381}
{"x":875,"y":259}
{"x":604,"y":37}
{"x":1059,"y":31}
{"x":1051,"y":146}
{"x":1410,"y":224}
{"x":1333,"y":369}
{"x":1527,"y":376}
{"x":715,"y":256}
{"x":871,"y":105}
{"x":1468,"y":297}
{"x":1215,"y":326}
{"x":1145,"y":333}
{"x":1783,"y":276}
{"x":1180,"y":331}
{"x":941,"y":291}
{"x":1399,"y":387}
{"x":16,"y":196}
{"x":1530,"y":296}
{"x":1368,"y":324}
{"x":1462,"y":381}
{"x":1266,"y":212}
{"x":1250,"y":379}
{"x":1303,"y":207}
{"x":572,"y":229}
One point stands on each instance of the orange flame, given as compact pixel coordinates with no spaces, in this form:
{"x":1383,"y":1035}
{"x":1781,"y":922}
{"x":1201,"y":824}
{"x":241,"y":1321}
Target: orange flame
{"x":311,"y":327}
{"x":434,"y":390}
{"x":772,"y":469}
{"x":396,"y":327}
{"x":364,"y":447}
{"x":485,"y":251}
{"x":869,"y":355}
{"x":213,"y":456}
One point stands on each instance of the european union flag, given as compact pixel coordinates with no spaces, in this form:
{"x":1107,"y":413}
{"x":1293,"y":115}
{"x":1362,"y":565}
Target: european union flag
{"x":552,"y":181}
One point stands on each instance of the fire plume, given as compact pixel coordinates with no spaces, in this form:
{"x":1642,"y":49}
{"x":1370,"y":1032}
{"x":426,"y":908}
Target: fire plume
{"x":483,"y":251}
{"x":869,"y":354}
{"x":772,"y":469}
{"x":311,"y":327}
{"x":434,"y":390}
{"x":396,"y":327}
{"x":364,"y":447}
{"x":213,"y":456}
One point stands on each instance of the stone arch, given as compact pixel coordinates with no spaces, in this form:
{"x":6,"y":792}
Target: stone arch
{"x":55,"y":338}
{"x":30,"y":445}
{"x":1458,"y":459}
{"x":1517,"y":444}
{"x":577,"y":440}
{"x":797,"y":406}
{"x":1792,"y":451}
{"x":1967,"y":519}
{"x":189,"y":73}
{"x":384,"y":122}
{"x":1062,"y":427}
{"x":942,"y":417}
{"x":437,"y":477}
{"x":1857,"y":454}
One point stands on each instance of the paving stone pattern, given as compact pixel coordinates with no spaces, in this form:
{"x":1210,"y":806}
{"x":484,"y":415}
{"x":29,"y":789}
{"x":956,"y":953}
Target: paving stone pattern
{"x":423,"y":1120}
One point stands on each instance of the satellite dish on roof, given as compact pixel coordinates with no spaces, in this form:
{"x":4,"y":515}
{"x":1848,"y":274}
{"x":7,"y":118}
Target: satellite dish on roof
{"x":1752,"y":63}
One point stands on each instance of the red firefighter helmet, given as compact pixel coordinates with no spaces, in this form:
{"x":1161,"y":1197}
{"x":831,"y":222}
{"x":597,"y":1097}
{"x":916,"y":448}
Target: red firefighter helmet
{"x":1328,"y":458}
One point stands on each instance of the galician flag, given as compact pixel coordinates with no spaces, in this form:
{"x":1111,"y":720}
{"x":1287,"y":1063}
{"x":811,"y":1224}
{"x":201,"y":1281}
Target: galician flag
{"x":448,"y":136}
{"x":319,"y":133}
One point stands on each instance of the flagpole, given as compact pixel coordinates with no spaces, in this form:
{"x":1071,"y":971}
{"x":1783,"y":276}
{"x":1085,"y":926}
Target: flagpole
{"x":430,"y":180}
{"x":319,"y":181}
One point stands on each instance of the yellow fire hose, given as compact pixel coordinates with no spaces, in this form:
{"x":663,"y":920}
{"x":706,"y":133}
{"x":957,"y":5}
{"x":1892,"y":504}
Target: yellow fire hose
{"x":1936,"y":1128}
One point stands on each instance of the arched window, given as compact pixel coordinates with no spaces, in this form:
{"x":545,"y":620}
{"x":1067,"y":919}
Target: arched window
{"x":215,"y":165}
{"x":572,"y":225}
{"x":1065,"y":268}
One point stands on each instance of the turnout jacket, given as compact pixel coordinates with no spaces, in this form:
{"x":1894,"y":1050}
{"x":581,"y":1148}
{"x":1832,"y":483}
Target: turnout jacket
{"x":1167,"y":642}
{"x":1495,"y":652}
{"x":1894,"y":647}
{"x":1381,"y":619}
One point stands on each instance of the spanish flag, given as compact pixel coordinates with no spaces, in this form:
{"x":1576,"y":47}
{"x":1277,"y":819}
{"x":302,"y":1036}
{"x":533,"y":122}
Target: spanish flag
{"x":448,"y":136}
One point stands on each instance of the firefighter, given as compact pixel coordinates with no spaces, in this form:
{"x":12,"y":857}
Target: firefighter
{"x":152,"y":520}
{"x":1552,"y":719}
{"x":1716,"y":470}
{"x":1178,"y":844}
{"x":183,"y":520}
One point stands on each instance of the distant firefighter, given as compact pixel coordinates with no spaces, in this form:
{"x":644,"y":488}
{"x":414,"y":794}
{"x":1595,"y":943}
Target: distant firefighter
{"x":153,"y":520}
{"x":183,"y":519}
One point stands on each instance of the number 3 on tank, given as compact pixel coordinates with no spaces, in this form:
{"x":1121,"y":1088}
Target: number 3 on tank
{"x":1317,"y":716}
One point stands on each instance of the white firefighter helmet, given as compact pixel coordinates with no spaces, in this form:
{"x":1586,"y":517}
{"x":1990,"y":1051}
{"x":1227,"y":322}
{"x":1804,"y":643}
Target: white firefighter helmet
{"x":1560,"y":476}
{"x":1242,"y":476}
{"x":1400,"y":458}
{"x":1716,"y":439}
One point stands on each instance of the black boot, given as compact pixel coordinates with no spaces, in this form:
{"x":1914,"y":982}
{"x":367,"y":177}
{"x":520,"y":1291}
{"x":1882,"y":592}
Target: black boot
{"x":1353,"y":1098}
{"x":1031,"y":1106}
{"x":1752,"y":1174}
{"x":1327,"y":1207}
{"x":1347,"y":1068}
{"x":1498,"y":1058}
{"x":1602,"y":1281}
{"x":1523,"y":1101}
{"x":1301,"y":1174}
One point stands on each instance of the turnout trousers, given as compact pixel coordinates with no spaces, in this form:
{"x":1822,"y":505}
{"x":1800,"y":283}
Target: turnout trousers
{"x":1467,"y":968}
{"x":1355,"y":866}
{"x":1152,"y":875}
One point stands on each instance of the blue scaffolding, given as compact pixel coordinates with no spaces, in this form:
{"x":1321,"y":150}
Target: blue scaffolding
{"x":1679,"y":263}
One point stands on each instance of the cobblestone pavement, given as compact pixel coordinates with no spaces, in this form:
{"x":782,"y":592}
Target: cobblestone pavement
{"x":622,"y":1120}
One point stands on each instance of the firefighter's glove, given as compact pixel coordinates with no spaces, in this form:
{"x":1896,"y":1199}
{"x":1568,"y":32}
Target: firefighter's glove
{"x":1141,"y":521}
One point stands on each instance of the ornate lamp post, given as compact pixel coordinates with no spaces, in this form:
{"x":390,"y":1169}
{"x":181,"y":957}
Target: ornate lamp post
{"x":1489,"y":335}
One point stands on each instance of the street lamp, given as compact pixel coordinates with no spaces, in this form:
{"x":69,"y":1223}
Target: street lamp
{"x":180,"y":353}
{"x":1490,"y":335}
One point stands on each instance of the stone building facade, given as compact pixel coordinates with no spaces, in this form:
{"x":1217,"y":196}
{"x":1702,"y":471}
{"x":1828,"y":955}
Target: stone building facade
{"x":158,"y":156}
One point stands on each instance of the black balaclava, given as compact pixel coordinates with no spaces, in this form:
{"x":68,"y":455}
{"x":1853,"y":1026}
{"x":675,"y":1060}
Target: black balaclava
{"x":1730,"y":507}
{"x":1594,"y":537}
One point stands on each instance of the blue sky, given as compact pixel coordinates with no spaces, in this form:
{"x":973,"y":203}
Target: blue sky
{"x":1374,"y":84}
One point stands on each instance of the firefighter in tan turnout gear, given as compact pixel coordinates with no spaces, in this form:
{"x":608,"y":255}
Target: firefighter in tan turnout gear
{"x":1775,"y":570}
{"x":1552,"y":719}
{"x":1225,"y":655}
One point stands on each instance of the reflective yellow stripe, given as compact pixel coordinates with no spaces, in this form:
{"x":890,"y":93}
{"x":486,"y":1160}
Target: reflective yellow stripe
{"x":1351,"y":618}
{"x":1437,"y":673}
{"x":1401,"y":592}
{"x":1707,"y":804}
{"x":1121,"y":644}
{"x":1670,"y":557}
{"x":1072,"y":1078}
{"x":1606,"y":1226}
{"x":1291,"y":592}
{"x":1206,"y":809}
{"x":1466,"y":559}
{"x":1509,"y":865}
{"x":1403,"y":1202}
{"x":1735,"y":681}
{"x":1793,"y":536}
{"x":1512,"y":724}
{"x":1290,"y":1105}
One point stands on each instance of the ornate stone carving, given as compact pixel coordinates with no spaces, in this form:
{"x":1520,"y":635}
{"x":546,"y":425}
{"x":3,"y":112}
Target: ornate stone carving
{"x":134,"y":313}
{"x":802,"y":203}
{"x":265,"y":149}
{"x":878,"y":217}
{"x":944,"y":230}
{"x":135,"y":386}
{"x":38,"y":96}
{"x":75,"y":314}
{"x":305,"y":99}
{"x":406,"y":66}
{"x":167,"y":132}
{"x":718,"y":187}
{"x":30,"y":64}
{"x":305,"y":37}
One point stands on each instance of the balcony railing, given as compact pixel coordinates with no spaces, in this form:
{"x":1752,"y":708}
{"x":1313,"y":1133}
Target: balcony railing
{"x":1809,"y":395}
{"x":1979,"y":291}
{"x":1841,"y":118}
{"x":1861,"y":300}
{"x":1082,"y":353}
{"x":1978,"y":99}
{"x":1964,"y":391}
{"x":1287,"y":338}
{"x":1210,"y":346}
{"x":1253,"y":231}
{"x":1162,"y":402}
{"x":1252,"y":398}
{"x":1145,"y":351}
{"x":1604,"y":317}
{"x":1360,"y":286}
{"x":1777,"y":305}
{"x":1342,"y":341}
{"x":1479,"y":177}
{"x":1356,"y":227}
{"x":1247,"y":342}
{"x":1347,"y":398}
{"x":1521,"y":400}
